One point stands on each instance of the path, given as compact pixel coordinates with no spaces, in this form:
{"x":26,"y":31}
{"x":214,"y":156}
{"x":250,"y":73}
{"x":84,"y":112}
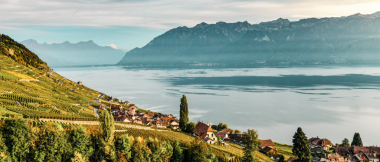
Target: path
{"x":97,"y":123}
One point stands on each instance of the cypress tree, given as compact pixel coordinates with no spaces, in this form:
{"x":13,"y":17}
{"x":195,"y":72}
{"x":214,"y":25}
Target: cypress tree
{"x":177,"y":152}
{"x":183,"y":114}
{"x":106,"y":136}
{"x":301,"y":147}
{"x":357,"y":141}
{"x":251,"y":142}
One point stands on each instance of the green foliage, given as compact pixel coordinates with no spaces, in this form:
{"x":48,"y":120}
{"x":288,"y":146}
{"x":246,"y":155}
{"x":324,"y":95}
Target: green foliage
{"x":357,"y":141}
{"x":51,"y":144}
{"x":17,"y":135}
{"x":237,"y":131}
{"x":198,"y":151}
{"x":123,"y":145}
{"x":345,"y":143}
{"x":80,"y":143}
{"x":184,"y":113}
{"x":177,"y":152}
{"x":4,"y":155}
{"x":106,"y":136}
{"x":251,"y":142}
{"x":301,"y":146}
{"x":190,"y":127}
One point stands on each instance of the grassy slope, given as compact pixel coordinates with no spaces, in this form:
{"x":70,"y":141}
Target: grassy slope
{"x":285,"y":150}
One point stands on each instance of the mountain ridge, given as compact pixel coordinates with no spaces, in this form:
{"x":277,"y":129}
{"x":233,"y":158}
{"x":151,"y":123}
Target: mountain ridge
{"x":276,"y":42}
{"x":74,"y":54}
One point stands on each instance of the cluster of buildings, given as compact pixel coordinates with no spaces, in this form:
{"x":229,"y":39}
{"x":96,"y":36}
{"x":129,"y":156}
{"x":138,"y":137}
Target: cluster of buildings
{"x":342,"y":154}
{"x":151,"y":119}
{"x":208,"y":135}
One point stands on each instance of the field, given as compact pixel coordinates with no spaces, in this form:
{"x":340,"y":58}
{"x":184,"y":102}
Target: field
{"x":285,"y":150}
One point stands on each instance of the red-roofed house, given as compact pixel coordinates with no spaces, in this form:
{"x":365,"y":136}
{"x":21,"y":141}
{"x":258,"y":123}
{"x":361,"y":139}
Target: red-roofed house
{"x":205,"y":132}
{"x":267,"y":143}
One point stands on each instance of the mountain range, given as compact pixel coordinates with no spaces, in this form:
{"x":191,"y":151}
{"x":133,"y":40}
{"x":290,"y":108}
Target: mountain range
{"x":351,"y":39}
{"x":75,"y":54}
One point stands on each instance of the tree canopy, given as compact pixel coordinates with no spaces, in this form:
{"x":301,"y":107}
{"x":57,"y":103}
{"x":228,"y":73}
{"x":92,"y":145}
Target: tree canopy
{"x":183,"y":114}
{"x":357,"y":141}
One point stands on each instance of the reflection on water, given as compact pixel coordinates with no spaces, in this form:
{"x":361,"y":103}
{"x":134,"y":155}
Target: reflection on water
{"x":330,"y":102}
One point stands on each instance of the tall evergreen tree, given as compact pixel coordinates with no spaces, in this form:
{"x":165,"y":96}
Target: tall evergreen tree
{"x":345,"y":143}
{"x":184,"y":113}
{"x":106,"y":136}
{"x":177,"y":152}
{"x":357,"y":141}
{"x":301,"y":147}
{"x":251,"y":142}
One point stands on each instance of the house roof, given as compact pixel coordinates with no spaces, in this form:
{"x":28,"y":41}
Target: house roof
{"x":266,"y":143}
{"x":201,"y":129}
{"x":324,"y":142}
{"x":226,"y":130}
{"x":266,"y":150}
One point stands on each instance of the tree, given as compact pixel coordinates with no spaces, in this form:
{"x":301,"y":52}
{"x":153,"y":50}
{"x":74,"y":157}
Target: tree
{"x":17,"y":135}
{"x":177,"y":152}
{"x":190,"y":127}
{"x":237,"y":132}
{"x":123,"y":145}
{"x":231,"y":130}
{"x":4,"y":155}
{"x":214,"y":127}
{"x":184,"y":113}
{"x":198,"y":150}
{"x":106,"y":137}
{"x":357,"y":141}
{"x":140,"y":152}
{"x":80,"y":143}
{"x":345,"y":143}
{"x":301,"y":147}
{"x":51,"y":144}
{"x":251,"y":142}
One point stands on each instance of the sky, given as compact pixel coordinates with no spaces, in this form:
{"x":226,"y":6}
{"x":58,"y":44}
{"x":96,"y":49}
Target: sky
{"x":133,"y":23}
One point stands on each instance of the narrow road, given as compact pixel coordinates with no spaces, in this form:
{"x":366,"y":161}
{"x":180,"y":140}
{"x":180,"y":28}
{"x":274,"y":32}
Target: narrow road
{"x":97,"y":123}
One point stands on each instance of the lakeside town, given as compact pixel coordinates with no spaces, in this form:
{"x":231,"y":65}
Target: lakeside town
{"x":321,"y":149}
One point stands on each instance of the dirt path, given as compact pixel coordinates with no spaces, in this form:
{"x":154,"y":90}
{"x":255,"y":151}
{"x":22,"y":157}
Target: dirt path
{"x":97,"y":123}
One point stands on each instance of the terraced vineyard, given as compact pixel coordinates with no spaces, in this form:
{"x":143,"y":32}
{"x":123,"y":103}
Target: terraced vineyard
{"x":34,"y":90}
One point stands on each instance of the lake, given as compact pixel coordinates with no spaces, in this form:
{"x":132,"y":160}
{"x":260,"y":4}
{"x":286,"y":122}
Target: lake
{"x":330,"y":102}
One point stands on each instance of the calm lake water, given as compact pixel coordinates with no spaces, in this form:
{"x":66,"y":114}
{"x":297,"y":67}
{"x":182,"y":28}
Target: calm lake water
{"x":330,"y":102}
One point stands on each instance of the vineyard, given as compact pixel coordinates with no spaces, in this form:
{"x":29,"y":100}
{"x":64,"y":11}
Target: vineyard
{"x":48,"y":96}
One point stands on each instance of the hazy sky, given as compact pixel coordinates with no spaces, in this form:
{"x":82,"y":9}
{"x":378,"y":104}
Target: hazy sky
{"x":133,"y":23}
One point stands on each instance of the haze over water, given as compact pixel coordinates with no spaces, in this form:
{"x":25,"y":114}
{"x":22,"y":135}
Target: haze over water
{"x":330,"y":102}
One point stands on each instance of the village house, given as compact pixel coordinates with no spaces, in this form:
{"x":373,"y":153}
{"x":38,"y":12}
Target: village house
{"x":235,"y":138}
{"x":131,"y":110}
{"x":334,"y":158}
{"x":265,"y":150}
{"x":359,"y":153}
{"x":127,"y":103}
{"x":174,"y":124}
{"x":168,"y":120}
{"x":103,"y":106}
{"x":318,"y":143}
{"x":205,"y":132}
{"x":115,"y":108}
{"x":122,"y":118}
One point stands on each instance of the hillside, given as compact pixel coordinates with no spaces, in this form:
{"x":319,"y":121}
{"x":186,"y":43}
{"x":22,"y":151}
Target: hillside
{"x":30,"y":88}
{"x":74,"y":54}
{"x":339,"y":40}
{"x":44,"y":99}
